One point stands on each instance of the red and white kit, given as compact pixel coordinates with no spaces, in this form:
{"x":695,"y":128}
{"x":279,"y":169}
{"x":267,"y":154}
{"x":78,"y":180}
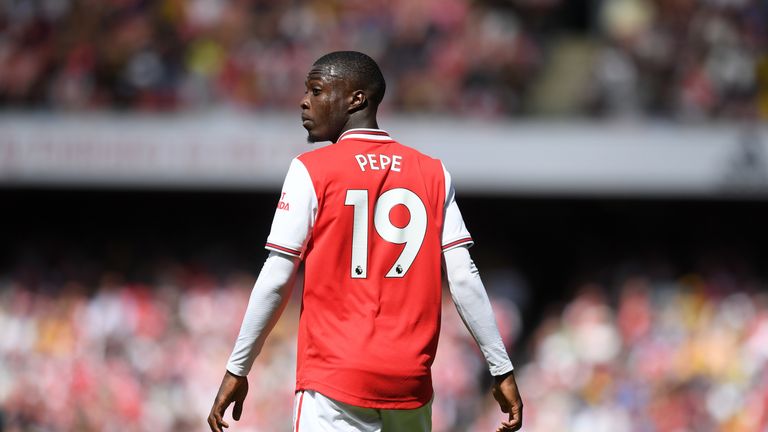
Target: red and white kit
{"x":373,"y":220}
{"x":370,"y":216}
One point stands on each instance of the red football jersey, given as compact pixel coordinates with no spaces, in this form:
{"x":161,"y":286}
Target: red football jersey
{"x":370,"y":217}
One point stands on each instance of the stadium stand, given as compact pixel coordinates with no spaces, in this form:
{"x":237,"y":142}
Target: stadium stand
{"x":686,"y":60}
{"x":123,"y":322}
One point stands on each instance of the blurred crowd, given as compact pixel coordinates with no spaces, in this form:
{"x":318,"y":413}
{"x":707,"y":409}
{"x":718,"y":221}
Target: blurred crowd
{"x":689,"y":355}
{"x":123,"y":356}
{"x":644,"y":356}
{"x":677,"y":59}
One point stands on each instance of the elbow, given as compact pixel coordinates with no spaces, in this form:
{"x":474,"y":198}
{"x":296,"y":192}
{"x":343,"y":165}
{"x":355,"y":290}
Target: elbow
{"x":460,"y":278}
{"x":463,"y":275}
{"x":283,"y":281}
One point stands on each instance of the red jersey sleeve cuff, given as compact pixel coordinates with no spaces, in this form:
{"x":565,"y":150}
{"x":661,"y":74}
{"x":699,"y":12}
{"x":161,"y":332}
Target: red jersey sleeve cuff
{"x":465,"y":241}
{"x":283,"y":249}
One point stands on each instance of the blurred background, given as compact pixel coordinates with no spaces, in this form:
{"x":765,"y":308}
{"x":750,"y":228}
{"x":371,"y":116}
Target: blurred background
{"x":610,"y":160}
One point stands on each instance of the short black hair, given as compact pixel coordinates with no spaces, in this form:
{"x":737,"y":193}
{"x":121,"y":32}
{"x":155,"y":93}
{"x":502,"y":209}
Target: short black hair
{"x":359,"y":68}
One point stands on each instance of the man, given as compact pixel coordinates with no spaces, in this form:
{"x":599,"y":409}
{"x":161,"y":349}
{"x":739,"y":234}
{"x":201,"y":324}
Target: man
{"x":373,"y":221}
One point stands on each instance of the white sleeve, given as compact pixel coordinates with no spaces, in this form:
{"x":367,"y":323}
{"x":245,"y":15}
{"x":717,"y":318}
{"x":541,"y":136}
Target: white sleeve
{"x":268,"y":299}
{"x":295,"y":214}
{"x":471,"y":300}
{"x":455,"y":233}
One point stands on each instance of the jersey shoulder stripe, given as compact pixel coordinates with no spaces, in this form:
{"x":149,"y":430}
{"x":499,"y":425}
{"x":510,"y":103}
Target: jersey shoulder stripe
{"x":283,"y":249}
{"x":457,"y":243}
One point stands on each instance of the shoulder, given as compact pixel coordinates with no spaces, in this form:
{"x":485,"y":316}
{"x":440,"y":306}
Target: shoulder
{"x":419,"y":154}
{"x":434,"y":164}
{"x":312,"y":160}
{"x":313,"y":156}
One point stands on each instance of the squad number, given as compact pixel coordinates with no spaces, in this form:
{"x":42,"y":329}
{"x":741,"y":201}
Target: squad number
{"x":412,"y":234}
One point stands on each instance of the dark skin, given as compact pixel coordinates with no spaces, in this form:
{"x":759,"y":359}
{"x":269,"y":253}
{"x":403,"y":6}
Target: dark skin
{"x":233,"y":389}
{"x":332,"y":105}
{"x":508,"y":396}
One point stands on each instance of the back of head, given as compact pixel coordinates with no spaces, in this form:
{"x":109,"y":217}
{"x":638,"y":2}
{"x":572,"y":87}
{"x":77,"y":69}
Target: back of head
{"x":358,"y":68}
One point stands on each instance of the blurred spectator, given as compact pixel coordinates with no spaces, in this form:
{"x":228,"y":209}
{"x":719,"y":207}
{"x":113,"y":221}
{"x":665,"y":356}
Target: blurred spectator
{"x":684,"y":59}
{"x":681,"y":59}
{"x":690,"y":354}
{"x":126,"y":356}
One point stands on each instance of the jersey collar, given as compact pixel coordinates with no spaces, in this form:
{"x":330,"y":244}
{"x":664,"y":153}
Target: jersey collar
{"x":366,"y":134}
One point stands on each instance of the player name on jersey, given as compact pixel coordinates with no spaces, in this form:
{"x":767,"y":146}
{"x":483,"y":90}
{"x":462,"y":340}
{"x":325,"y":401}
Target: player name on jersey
{"x":379,"y":162}
{"x":368,"y":278}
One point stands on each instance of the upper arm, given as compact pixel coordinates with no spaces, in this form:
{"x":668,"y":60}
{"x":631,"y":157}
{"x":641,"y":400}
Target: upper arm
{"x":455,"y":232}
{"x":295,"y":213}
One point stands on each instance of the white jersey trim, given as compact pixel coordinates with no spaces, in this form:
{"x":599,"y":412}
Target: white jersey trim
{"x":455,"y":233}
{"x":466,"y":241}
{"x":366,"y":134}
{"x":368,"y":137}
{"x":296,"y":212}
{"x":283,"y":249}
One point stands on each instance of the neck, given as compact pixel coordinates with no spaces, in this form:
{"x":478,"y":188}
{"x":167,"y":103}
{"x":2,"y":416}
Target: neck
{"x":360,"y":121}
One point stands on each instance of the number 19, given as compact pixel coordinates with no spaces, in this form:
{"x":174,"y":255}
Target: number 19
{"x":412,"y":235}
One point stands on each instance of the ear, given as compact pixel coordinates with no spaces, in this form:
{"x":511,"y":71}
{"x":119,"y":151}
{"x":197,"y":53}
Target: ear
{"x":358,"y":101}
